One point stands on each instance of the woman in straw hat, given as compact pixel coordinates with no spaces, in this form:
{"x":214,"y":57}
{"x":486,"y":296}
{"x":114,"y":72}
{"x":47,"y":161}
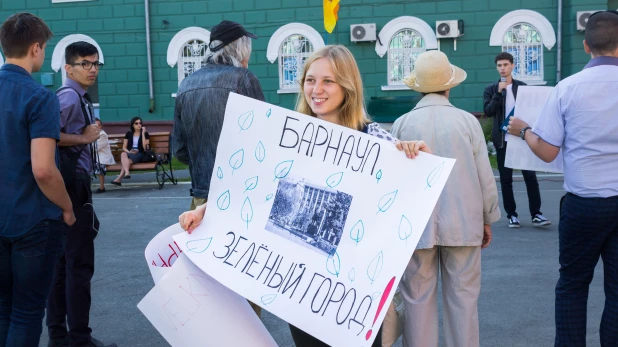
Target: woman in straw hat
{"x":460,"y":224}
{"x":331,"y":90}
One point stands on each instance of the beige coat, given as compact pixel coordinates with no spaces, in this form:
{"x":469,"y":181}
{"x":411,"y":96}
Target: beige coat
{"x":470,"y":197}
{"x":105,"y":151}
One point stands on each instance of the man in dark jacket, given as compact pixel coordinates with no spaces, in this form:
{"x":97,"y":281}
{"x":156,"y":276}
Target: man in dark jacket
{"x":499,"y":102}
{"x":202,"y":98}
{"x":201,"y":101}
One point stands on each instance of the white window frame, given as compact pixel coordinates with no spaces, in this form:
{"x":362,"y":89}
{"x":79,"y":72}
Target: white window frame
{"x":532,"y":18}
{"x":58,"y":60}
{"x":392,"y":28}
{"x":521,"y":51}
{"x":177,"y":42}
{"x":278,"y":38}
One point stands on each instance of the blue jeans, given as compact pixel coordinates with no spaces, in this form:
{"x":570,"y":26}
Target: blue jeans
{"x":588,"y":231}
{"x":26,"y":267}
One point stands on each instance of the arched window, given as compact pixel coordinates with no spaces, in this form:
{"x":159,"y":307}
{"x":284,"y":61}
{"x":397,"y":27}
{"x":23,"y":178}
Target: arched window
{"x":291,"y":45}
{"x":293,"y":53}
{"x":58,"y":62}
{"x":403,"y":39}
{"x":188,"y":49}
{"x":191,"y":58}
{"x":403,"y":50}
{"x":524,"y":42}
{"x":524,"y":34}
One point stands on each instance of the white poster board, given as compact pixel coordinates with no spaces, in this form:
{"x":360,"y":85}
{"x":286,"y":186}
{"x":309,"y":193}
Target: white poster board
{"x":312,"y":221}
{"x":528,"y":105}
{"x":191,"y":309}
{"x":162,"y":251}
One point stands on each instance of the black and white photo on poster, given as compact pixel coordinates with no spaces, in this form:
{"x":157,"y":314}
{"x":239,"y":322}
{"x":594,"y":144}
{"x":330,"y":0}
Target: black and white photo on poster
{"x":309,"y":214}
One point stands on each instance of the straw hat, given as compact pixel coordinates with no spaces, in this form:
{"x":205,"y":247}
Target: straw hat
{"x":433,"y":73}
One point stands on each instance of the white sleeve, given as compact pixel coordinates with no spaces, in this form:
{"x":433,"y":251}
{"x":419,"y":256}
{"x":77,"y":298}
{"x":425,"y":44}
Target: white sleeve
{"x":550,"y":124}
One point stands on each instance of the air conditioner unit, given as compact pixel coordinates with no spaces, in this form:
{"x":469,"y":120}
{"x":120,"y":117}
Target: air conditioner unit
{"x":449,"y":28}
{"x":363,"y":32}
{"x":582,"y":19}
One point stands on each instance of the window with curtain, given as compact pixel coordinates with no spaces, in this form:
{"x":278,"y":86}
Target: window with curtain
{"x":191,"y":58}
{"x":293,"y":53}
{"x":524,"y":42}
{"x":403,"y":49}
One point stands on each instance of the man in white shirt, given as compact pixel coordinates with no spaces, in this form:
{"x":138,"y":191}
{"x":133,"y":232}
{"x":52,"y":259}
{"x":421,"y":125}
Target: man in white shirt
{"x":499,"y":103}
{"x":581,"y":117}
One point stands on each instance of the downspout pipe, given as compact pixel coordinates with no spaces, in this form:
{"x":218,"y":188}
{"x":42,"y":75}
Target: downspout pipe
{"x":559,"y":44}
{"x":149,"y":55}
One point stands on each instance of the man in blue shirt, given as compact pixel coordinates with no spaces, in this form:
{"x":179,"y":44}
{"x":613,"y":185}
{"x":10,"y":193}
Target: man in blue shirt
{"x":34,"y":205}
{"x":69,"y":301}
{"x":581,"y":117}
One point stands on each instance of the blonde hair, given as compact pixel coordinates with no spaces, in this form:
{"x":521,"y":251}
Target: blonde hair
{"x":352,"y":112}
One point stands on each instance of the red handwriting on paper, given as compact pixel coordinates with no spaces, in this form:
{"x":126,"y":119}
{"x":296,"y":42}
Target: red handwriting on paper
{"x":168,"y":258}
{"x":186,"y":303}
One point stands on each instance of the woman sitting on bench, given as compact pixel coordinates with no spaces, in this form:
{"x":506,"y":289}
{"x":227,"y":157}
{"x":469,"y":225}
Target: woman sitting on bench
{"x":134,"y":143}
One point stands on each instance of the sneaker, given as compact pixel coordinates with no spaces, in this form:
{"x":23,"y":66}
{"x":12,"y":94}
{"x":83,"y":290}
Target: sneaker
{"x":539,"y":221}
{"x":514,"y":222}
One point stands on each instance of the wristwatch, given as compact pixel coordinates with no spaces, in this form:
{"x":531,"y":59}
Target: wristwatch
{"x":522,"y":133}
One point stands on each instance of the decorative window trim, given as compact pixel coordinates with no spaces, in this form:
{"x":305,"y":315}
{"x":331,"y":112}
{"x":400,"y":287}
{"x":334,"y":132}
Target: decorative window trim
{"x":537,"y":20}
{"x":405,"y":22}
{"x":395,"y":87}
{"x":277,"y":39}
{"x":182,"y":37}
{"x":272,"y":52}
{"x":57,"y":61}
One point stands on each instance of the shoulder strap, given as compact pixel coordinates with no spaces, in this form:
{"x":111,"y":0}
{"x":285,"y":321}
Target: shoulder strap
{"x":93,"y":147}
{"x":81,"y":102}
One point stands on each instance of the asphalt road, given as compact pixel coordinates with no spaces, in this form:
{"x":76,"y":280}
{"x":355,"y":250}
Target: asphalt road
{"x":516,"y":307}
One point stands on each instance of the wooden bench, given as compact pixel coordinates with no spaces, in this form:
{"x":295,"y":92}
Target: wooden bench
{"x":160,"y":144}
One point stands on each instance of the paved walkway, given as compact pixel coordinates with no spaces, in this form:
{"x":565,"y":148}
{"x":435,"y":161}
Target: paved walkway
{"x":516,"y":307}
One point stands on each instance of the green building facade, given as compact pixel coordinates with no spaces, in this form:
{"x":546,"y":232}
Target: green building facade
{"x":290,"y":29}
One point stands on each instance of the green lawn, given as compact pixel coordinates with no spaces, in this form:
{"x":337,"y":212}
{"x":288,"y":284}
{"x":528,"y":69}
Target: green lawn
{"x":493,"y":160}
{"x":176,"y":165}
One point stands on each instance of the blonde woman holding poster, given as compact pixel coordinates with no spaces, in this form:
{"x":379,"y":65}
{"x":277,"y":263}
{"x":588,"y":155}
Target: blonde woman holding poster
{"x":331,"y":90}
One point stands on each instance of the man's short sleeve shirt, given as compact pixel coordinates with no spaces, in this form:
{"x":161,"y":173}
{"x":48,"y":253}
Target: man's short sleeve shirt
{"x":27,"y":111}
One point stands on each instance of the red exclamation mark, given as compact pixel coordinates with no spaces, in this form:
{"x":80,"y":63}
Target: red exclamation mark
{"x":387,"y":291}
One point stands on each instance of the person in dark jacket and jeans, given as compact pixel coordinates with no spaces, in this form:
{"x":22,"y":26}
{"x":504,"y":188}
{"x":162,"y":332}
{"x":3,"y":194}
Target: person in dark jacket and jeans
{"x":499,"y":102}
{"x":201,"y":101}
{"x":202,"y":98}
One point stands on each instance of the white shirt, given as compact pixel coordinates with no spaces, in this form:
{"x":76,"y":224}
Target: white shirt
{"x":581,"y":117}
{"x":135,"y":142}
{"x":510,"y":102}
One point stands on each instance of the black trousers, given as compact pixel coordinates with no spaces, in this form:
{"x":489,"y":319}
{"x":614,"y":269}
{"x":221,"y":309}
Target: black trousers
{"x":588,"y":231}
{"x":506,"y":183}
{"x":302,"y":339}
{"x":69,"y":299}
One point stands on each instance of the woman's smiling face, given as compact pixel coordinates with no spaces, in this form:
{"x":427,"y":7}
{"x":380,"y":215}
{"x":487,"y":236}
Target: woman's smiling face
{"x":322,"y":92}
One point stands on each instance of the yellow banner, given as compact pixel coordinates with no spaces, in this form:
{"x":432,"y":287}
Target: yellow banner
{"x":331,"y":7}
